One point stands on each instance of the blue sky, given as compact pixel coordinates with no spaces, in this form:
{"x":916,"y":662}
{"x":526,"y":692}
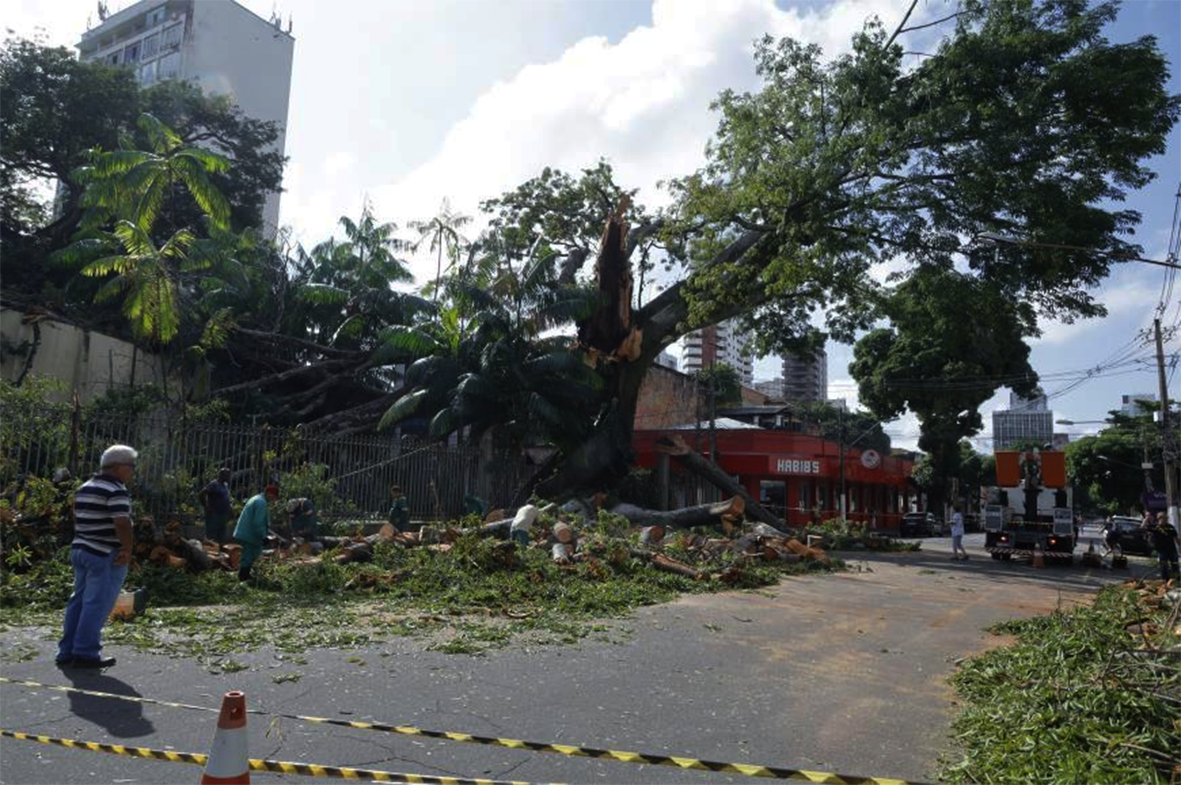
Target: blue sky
{"x":406,"y":102}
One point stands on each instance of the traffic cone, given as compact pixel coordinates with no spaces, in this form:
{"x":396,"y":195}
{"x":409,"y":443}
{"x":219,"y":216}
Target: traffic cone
{"x":229,"y":761}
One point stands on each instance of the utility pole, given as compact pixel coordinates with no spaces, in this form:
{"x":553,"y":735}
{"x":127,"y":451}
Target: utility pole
{"x":713,"y":425}
{"x":1168,"y":449}
{"x":841,"y":455}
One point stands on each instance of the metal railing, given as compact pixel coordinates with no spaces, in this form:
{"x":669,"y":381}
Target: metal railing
{"x":348,"y":477}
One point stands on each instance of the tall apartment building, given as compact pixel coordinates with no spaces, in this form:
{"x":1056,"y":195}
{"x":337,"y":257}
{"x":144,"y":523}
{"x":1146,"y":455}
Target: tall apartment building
{"x":806,"y":378}
{"x":218,"y":44}
{"x":722,"y":343}
{"x":773,"y":388}
{"x":1026,"y":419}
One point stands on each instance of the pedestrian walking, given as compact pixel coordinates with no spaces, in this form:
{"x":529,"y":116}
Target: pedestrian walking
{"x":957,"y":536}
{"x":1113,"y":538}
{"x":100,"y":554}
{"x":254,"y":524}
{"x":215,"y":500}
{"x":1164,"y":540}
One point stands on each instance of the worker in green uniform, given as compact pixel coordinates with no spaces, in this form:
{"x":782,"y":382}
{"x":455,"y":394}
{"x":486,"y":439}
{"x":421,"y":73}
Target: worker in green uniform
{"x":399,"y":509}
{"x":254,"y":524}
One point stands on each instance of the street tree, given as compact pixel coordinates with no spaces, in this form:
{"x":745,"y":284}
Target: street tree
{"x":56,"y":109}
{"x":1107,"y":468}
{"x":1024,"y":120}
{"x":952,"y":340}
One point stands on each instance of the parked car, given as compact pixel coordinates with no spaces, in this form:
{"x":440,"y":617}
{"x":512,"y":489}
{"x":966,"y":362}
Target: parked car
{"x":1133,"y":539}
{"x":918,"y":524}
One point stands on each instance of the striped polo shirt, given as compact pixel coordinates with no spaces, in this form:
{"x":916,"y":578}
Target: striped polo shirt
{"x":97,"y":503}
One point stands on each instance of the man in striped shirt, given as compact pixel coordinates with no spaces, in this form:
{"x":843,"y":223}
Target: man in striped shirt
{"x":100,"y":554}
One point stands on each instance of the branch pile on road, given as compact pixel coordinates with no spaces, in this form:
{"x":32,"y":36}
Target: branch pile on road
{"x":1087,"y":694}
{"x":668,"y":541}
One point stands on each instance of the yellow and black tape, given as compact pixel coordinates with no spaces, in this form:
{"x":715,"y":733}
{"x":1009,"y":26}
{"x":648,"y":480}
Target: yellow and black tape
{"x":570,"y":750}
{"x":275,"y":766}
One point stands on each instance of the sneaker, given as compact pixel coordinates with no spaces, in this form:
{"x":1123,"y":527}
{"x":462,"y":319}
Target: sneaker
{"x":63,"y":662}
{"x":96,"y":662}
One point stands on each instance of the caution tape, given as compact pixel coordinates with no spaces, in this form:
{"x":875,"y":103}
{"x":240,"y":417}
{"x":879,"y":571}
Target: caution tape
{"x":275,"y":766}
{"x":570,"y":750}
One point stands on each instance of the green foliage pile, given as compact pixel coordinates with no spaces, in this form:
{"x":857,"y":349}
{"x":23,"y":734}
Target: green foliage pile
{"x":1081,"y":697}
{"x":468,"y":597}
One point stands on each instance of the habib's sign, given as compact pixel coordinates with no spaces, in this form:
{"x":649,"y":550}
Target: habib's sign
{"x":788,"y":464}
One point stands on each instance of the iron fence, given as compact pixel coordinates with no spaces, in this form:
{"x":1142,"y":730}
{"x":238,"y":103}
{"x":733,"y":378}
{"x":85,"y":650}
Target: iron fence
{"x":347,"y":477}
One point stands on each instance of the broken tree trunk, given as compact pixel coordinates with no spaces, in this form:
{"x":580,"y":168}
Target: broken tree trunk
{"x":716,"y":514}
{"x":676,"y":447}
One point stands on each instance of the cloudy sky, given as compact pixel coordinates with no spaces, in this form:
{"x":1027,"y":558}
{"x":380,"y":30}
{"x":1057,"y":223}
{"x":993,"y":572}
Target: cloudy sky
{"x":406,"y":102}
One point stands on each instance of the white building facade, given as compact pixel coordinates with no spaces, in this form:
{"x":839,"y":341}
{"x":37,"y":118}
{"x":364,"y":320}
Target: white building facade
{"x":219,"y":45}
{"x":1026,"y":419}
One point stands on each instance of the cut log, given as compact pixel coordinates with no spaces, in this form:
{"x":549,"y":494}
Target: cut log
{"x":684,"y":518}
{"x":563,"y":533}
{"x":652,"y":535}
{"x":676,"y":447}
{"x":234,"y":554}
{"x":387,"y":533}
{"x":662,"y":562}
{"x":356,"y":552}
{"x":194,"y":555}
{"x":561,"y":553}
{"x":494,"y":516}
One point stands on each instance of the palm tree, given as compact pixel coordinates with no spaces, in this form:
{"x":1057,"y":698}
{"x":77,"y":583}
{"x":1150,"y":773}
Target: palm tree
{"x":145,"y":274}
{"x":136,"y":185}
{"x":443,"y":233}
{"x":349,"y":284}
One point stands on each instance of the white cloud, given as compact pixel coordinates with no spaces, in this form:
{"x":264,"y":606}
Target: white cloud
{"x":642,"y":103}
{"x":1123,"y":298}
{"x":339,"y":162}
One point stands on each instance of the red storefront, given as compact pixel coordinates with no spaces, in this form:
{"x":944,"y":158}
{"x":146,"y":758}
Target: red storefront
{"x":799,"y":476}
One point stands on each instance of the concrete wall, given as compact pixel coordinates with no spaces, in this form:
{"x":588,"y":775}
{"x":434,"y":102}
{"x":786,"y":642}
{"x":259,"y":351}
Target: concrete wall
{"x":230,"y":51}
{"x":90,"y":362}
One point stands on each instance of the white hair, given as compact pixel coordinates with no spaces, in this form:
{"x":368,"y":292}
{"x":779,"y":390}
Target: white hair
{"x":116,"y":454}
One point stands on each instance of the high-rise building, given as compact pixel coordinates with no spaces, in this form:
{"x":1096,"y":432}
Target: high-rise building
{"x":806,"y":378}
{"x":1129,"y":404}
{"x":1026,"y":419}
{"x":773,"y":388}
{"x":721,"y":343}
{"x":218,"y":44}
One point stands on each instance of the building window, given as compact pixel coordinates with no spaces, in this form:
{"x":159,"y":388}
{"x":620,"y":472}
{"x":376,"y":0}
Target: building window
{"x":172,"y":36}
{"x":804,"y":496}
{"x":131,"y":54}
{"x":151,"y":45}
{"x":113,"y":58}
{"x":147,"y":73}
{"x":169,"y":66}
{"x":155,"y":16}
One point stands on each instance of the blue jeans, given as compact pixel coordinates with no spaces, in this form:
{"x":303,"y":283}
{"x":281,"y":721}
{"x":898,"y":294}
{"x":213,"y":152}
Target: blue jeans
{"x":97,"y":582}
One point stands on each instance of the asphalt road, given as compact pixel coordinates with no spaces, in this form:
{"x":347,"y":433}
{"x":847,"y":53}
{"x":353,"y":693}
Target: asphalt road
{"x":843,"y":673}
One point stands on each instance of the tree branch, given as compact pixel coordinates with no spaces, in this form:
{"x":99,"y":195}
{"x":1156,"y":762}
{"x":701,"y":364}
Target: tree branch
{"x":902,"y":24}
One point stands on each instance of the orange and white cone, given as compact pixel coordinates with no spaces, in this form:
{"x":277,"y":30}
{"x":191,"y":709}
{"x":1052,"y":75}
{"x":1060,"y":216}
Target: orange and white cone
{"x":229,"y":759}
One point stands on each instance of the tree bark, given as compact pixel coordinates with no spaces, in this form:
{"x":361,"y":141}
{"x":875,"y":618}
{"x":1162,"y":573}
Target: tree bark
{"x":676,"y":447}
{"x":716,"y":514}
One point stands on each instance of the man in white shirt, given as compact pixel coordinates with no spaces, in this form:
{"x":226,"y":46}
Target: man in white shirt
{"x":957,"y":536}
